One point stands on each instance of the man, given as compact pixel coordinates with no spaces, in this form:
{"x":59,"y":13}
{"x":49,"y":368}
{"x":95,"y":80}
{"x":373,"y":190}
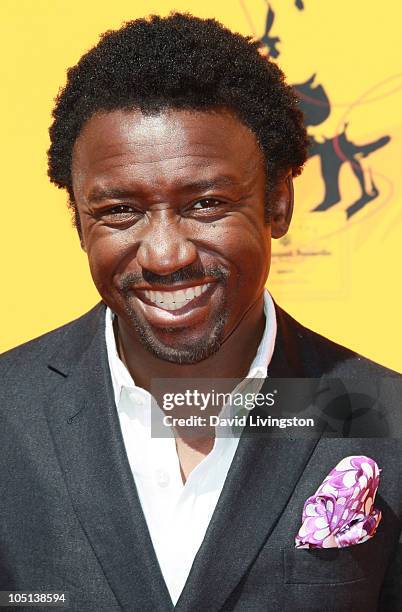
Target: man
{"x":177,"y":143}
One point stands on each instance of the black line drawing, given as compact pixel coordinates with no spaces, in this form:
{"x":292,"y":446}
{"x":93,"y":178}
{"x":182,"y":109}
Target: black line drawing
{"x":336,"y":151}
{"x":333,"y":152}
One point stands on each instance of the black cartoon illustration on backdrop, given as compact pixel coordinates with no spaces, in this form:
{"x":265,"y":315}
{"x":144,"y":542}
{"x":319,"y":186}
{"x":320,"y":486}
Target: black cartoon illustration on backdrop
{"x":333,"y":152}
{"x":336,"y":151}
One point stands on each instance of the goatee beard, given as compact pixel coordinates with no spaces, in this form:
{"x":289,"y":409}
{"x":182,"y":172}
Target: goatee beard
{"x":189,"y":352}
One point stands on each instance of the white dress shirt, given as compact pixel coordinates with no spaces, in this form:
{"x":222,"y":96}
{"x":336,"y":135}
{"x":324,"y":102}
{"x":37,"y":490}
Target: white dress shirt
{"x":177,"y":514}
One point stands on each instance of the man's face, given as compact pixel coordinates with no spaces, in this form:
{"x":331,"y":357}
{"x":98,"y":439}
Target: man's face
{"x":172,"y":215}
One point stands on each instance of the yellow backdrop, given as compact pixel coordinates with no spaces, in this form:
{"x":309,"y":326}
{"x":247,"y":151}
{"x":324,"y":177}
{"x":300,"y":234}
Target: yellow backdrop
{"x":338,"y":275}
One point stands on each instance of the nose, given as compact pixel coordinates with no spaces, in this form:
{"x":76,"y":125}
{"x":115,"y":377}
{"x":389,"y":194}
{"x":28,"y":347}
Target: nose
{"x":164,"y":246}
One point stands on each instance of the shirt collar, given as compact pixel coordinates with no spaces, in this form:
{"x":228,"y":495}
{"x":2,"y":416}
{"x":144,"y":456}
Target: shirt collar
{"x":258,"y":369}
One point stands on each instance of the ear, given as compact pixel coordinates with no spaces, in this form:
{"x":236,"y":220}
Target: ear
{"x":282,"y":208}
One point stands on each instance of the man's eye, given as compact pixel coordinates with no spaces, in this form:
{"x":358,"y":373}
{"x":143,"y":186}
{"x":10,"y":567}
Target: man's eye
{"x":121,"y":209}
{"x":207,"y":203}
{"x":121,"y":214}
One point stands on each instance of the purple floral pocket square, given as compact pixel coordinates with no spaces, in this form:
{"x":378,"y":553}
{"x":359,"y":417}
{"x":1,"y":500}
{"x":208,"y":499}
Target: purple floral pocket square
{"x":341,"y":512}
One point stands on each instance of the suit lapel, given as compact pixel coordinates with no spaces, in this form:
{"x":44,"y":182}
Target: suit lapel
{"x":88,"y":440}
{"x":261,"y":480}
{"x":294,"y":355}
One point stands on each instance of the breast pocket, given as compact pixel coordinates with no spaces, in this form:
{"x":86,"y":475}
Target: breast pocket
{"x":334,"y":565}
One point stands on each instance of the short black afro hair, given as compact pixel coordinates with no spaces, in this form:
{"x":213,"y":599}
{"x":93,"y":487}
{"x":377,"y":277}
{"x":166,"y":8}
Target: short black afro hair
{"x":179,"y":62}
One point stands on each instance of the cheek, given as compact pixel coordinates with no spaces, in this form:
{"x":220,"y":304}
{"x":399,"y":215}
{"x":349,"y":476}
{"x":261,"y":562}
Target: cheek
{"x":105,"y":257}
{"x":254,"y":268}
{"x":248,"y":247}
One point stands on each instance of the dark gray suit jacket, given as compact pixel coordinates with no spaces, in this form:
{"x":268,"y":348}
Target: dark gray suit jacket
{"x":71,"y":520}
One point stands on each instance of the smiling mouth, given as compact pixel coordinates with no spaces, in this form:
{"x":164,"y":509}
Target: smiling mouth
{"x":174,"y":300}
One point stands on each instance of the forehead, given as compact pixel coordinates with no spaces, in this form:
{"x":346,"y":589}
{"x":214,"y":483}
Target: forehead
{"x":170,"y":147}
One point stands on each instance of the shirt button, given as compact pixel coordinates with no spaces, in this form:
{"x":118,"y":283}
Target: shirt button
{"x":162,"y":477}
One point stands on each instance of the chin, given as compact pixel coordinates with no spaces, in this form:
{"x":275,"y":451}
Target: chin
{"x":182,"y":356}
{"x":187,"y":352}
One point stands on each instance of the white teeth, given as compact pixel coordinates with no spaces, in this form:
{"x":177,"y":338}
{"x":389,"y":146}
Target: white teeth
{"x":173,"y":300}
{"x":180,"y":296}
{"x":167,"y":299}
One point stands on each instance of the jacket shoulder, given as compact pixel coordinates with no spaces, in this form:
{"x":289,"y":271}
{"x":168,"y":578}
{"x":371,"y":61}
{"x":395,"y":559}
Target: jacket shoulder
{"x":326,"y":356}
{"x":72,"y":336}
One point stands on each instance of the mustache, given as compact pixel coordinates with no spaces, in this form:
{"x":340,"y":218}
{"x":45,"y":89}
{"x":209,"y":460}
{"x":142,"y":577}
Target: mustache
{"x":189,"y":273}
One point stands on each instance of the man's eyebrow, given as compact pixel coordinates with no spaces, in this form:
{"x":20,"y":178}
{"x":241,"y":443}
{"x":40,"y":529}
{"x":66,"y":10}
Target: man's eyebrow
{"x":97,"y":194}
{"x":213,"y":183}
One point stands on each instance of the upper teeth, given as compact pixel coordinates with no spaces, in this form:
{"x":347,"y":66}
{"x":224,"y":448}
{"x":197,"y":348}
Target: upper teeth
{"x":172,"y":300}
